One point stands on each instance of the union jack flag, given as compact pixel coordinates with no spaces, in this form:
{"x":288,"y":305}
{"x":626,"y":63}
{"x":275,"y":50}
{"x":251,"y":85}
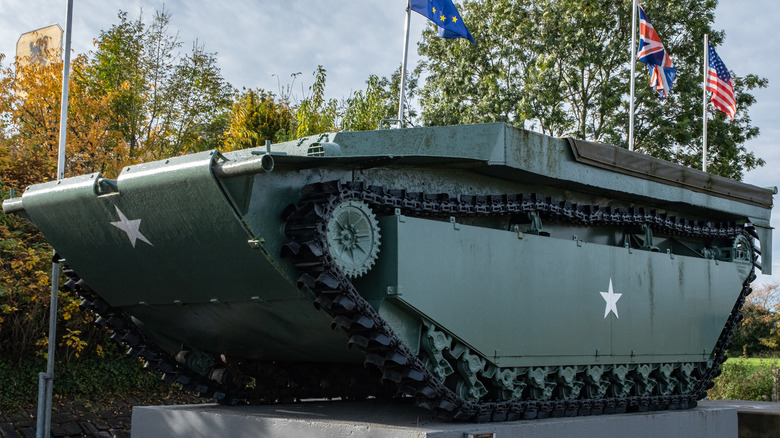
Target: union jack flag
{"x":719,"y":82}
{"x":652,"y":53}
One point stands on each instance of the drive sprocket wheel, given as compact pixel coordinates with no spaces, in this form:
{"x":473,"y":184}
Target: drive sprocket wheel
{"x":742,"y":249}
{"x":353,"y":237}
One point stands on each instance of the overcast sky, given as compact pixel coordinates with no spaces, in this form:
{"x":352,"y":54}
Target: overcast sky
{"x":259,"y":44}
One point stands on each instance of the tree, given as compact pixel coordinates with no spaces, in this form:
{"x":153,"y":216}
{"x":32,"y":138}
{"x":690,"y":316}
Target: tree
{"x":756,"y":325}
{"x":135,"y":99}
{"x":470,"y":83}
{"x":162,"y":103}
{"x":200,"y":99}
{"x":584,"y":41}
{"x":257,"y":116}
{"x":30,"y":95}
{"x":365,"y":110}
{"x":768,"y":297}
{"x":562,"y":67}
{"x":759,"y":331}
{"x":314,"y":114}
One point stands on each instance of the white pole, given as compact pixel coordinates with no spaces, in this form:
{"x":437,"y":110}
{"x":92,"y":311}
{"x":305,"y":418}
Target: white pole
{"x":64,"y":100}
{"x":633,"y":74}
{"x":403,"y":65}
{"x":706,"y":65}
{"x":43,"y":428}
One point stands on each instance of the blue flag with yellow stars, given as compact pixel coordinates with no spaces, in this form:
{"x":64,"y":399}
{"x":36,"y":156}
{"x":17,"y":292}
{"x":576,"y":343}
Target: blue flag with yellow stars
{"x":445,"y":15}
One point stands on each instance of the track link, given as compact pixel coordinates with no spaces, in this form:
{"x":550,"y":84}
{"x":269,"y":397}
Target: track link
{"x":401,"y":371}
{"x":335,"y":294}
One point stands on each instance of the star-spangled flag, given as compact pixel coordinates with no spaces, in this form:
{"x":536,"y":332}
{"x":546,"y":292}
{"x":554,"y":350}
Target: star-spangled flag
{"x":444,"y":14}
{"x":719,"y":82}
{"x":652,"y":53}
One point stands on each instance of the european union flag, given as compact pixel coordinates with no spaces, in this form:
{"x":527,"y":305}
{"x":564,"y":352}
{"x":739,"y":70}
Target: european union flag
{"x":445,"y":15}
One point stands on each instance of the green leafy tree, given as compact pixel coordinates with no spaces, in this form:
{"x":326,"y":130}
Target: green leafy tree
{"x":257,"y":116}
{"x":756,"y":325}
{"x":562,"y":67}
{"x":163,"y":103}
{"x":584,"y":41}
{"x":759,"y":331}
{"x":200,"y":101}
{"x":314,"y":114}
{"x":483,"y":82}
{"x":365,"y":110}
{"x":117,"y":68}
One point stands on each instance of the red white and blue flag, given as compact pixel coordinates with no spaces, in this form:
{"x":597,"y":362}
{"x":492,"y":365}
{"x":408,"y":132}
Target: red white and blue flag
{"x":652,"y":53}
{"x":719,"y":82}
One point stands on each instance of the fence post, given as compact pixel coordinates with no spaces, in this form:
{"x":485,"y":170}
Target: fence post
{"x":775,"y":378}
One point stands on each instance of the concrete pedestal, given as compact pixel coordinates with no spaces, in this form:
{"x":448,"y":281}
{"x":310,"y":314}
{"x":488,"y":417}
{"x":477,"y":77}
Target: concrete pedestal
{"x":755,"y":419}
{"x":402,"y":420}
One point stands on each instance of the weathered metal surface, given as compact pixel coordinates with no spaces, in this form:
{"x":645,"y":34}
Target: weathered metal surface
{"x":156,"y":224}
{"x":521,"y":315}
{"x":503,"y":278}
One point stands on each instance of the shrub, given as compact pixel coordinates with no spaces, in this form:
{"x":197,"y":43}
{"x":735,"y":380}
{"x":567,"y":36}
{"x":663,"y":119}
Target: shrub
{"x":744,"y":379}
{"x":92,"y":376}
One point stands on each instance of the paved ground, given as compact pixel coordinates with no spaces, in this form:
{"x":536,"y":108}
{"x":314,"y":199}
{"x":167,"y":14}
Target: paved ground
{"x":83,"y":418}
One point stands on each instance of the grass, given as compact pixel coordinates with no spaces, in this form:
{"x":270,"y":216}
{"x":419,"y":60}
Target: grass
{"x":754,"y":364}
{"x":114,"y":375}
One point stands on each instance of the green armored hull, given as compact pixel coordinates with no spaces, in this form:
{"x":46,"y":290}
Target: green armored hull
{"x":488,"y":272}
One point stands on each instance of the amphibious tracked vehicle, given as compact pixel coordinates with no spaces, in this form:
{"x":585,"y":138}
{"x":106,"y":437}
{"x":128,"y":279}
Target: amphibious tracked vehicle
{"x":488,"y":272}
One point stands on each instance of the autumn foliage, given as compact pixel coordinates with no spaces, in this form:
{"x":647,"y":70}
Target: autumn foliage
{"x":137,"y":97}
{"x":758,"y":334}
{"x":30,"y":95}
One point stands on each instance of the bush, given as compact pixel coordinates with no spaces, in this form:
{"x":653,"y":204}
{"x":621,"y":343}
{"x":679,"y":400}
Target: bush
{"x":91,"y":377}
{"x":20,"y":382}
{"x":744,"y":379}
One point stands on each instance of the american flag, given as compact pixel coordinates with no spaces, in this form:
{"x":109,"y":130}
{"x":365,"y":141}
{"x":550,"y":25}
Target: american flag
{"x":719,"y":82}
{"x":652,"y":53}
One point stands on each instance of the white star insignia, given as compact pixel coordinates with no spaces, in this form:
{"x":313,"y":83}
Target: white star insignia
{"x":611,"y":298}
{"x":130,"y":227}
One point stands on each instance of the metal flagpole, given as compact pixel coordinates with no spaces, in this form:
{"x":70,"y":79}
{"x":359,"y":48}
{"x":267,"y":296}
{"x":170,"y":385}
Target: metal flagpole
{"x":706,"y":65}
{"x":633,"y":74}
{"x":46,"y":380}
{"x":403,"y":65}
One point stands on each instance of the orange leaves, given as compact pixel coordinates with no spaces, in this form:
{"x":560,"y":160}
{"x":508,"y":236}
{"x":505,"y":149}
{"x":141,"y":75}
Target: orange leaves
{"x":30,"y":98}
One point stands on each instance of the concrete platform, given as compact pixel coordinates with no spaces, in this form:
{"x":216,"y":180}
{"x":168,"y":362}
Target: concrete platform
{"x":401,"y":420}
{"x":755,"y":419}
